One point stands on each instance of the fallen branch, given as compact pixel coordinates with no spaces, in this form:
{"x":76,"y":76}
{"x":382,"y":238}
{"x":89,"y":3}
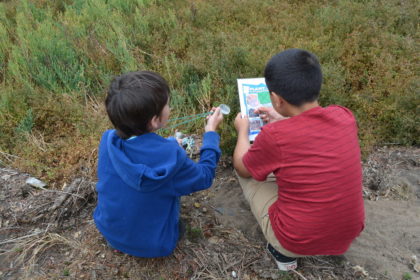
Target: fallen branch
{"x":298,"y":274}
{"x":66,"y":193}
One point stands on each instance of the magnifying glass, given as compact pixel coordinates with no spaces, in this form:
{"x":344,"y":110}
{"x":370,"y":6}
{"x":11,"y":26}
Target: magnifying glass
{"x":224,"y":109}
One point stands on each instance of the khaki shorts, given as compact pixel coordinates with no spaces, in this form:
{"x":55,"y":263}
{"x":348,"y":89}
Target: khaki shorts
{"x":260,"y":196}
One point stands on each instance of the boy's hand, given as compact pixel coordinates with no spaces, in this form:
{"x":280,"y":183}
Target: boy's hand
{"x":241,"y":123}
{"x":214,"y":120}
{"x":269,"y":115}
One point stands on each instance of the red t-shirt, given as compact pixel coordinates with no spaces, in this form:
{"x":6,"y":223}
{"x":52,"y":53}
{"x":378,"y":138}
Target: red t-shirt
{"x":315,"y":157}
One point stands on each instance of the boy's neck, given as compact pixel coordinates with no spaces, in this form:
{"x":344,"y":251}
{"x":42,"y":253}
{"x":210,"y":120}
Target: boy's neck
{"x":297,"y":110}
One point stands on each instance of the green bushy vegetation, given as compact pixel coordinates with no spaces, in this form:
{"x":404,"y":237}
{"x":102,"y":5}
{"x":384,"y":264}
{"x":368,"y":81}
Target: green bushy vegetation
{"x":57,"y":58}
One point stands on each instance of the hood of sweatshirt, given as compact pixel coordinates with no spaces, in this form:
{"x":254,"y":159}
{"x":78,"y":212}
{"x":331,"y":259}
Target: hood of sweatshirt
{"x":146,"y":162}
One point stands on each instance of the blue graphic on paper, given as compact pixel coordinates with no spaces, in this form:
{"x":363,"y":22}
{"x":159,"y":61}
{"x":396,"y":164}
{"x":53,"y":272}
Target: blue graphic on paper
{"x":255,"y":96}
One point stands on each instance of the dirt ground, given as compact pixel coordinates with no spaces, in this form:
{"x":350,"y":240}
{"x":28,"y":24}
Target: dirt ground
{"x":49,"y":234}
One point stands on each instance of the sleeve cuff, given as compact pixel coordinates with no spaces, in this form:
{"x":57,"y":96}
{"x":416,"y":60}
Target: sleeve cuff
{"x":211,"y":140}
{"x":171,"y":138}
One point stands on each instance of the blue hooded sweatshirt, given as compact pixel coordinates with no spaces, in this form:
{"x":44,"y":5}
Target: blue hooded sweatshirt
{"x":139,"y":188}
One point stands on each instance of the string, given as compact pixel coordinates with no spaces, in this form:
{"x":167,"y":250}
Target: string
{"x":198,"y":116}
{"x":224,"y":110}
{"x":191,"y":116}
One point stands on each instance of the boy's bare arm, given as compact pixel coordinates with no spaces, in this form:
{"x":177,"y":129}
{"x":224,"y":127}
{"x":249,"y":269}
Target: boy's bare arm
{"x":242,"y":145}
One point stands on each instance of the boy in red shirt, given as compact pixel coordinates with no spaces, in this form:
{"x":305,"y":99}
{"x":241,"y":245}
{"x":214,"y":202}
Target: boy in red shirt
{"x":306,"y":185}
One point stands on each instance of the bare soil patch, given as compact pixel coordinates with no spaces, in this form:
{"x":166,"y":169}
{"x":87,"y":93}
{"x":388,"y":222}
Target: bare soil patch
{"x":49,"y":234}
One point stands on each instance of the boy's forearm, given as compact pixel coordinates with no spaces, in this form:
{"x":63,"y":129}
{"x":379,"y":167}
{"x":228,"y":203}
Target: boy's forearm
{"x":242,"y":146}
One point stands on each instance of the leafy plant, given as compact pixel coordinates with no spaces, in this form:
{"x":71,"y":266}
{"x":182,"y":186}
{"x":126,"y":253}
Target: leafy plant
{"x":194,"y":233}
{"x":58,"y":57}
{"x":407,"y":276}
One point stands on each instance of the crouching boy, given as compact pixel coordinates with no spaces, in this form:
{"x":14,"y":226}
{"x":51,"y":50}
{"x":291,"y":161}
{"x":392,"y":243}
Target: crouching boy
{"x":141,"y":175}
{"x":306,"y":185}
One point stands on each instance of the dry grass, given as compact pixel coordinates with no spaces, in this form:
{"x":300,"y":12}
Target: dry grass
{"x":34,"y":249}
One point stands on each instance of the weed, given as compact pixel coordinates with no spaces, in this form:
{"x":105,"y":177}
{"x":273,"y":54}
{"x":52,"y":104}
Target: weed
{"x":284,"y":275}
{"x":407,"y":276}
{"x":193,"y":233}
{"x":26,"y":124}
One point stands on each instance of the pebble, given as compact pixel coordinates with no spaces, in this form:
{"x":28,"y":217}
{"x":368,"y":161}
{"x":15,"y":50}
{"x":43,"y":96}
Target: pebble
{"x":197,"y":205}
{"x":234,"y":274}
{"x":359,"y":271}
{"x":214,"y":240}
{"x":204,"y":209}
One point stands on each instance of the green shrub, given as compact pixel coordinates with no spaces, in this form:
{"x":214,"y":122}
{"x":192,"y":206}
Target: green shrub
{"x":57,"y":59}
{"x":26,"y":123}
{"x":43,"y":56}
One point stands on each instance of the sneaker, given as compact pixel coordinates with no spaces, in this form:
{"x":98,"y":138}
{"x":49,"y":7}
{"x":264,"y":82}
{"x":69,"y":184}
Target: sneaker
{"x":283,"y":262}
{"x":112,"y":248}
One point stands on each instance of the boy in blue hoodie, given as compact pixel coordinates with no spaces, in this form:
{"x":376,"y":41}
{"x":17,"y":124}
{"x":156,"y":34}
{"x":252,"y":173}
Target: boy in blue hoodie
{"x":141,"y":175}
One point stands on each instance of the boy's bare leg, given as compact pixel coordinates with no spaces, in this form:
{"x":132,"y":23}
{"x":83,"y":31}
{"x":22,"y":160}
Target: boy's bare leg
{"x":260,"y":196}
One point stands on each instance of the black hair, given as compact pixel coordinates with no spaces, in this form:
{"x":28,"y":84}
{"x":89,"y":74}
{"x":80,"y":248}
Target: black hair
{"x":295,"y":75}
{"x":134,"y":99}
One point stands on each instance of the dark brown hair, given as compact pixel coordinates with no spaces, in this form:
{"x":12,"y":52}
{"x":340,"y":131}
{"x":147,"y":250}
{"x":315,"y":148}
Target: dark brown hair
{"x":134,"y":99}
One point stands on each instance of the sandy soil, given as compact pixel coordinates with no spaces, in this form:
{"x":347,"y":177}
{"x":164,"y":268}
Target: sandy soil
{"x":390,"y":239}
{"x":49,"y":234}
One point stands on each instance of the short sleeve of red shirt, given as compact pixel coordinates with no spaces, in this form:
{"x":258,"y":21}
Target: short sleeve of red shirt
{"x":256,"y":159}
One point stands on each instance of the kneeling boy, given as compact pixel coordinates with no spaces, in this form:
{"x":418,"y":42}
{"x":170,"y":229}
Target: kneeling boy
{"x":306,"y":185}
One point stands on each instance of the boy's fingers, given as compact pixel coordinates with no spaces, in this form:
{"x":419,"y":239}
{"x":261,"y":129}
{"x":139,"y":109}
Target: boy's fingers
{"x":261,"y":110}
{"x":216,"y":112}
{"x":240,"y":116}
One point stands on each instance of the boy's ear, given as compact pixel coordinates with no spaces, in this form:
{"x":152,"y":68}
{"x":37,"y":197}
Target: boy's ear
{"x":281,"y":100}
{"x":276,"y":99}
{"x":154,"y":123}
